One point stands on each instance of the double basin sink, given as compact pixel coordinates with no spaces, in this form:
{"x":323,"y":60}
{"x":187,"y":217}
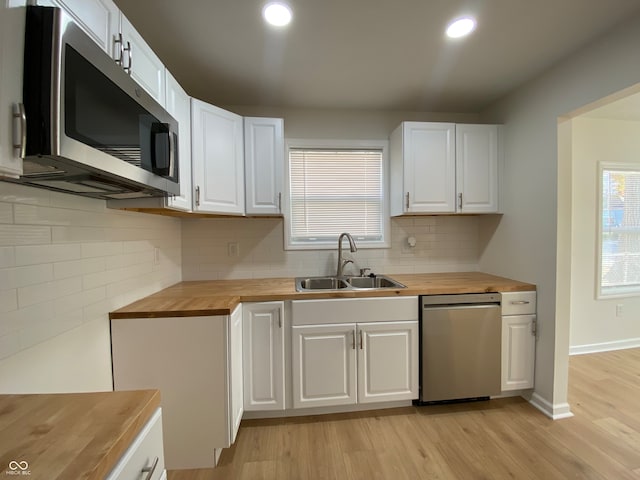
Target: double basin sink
{"x":308,"y":284}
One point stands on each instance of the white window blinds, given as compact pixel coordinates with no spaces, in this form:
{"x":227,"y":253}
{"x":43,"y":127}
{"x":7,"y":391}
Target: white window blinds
{"x":334,"y":191}
{"x":620,"y":234}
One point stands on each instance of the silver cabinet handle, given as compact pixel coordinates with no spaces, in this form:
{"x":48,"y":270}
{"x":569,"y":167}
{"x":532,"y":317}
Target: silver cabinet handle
{"x":197,"y":195}
{"x":520,"y":302}
{"x":361,"y":343}
{"x":534,"y":328}
{"x":353,"y":340}
{"x":149,"y":470}
{"x":407,"y":201}
{"x":119,"y":42}
{"x":280,"y":202}
{"x":129,"y":67}
{"x":20,"y":129}
{"x":280,"y":321}
{"x":460,"y":200}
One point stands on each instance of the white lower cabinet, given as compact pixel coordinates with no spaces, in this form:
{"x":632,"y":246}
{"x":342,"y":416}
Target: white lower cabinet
{"x":518,"y":340}
{"x":365,"y":360}
{"x":324,"y":365}
{"x":344,"y":364}
{"x":145,"y":457}
{"x":196,"y":363}
{"x":263,"y":361}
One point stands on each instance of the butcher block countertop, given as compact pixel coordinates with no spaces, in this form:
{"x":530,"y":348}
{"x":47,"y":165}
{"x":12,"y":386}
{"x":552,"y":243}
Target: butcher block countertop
{"x":70,"y":435}
{"x":220,"y":297}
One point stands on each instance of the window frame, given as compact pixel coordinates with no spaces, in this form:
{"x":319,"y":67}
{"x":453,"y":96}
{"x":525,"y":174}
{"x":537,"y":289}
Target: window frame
{"x":624,"y":291}
{"x":297,"y":143}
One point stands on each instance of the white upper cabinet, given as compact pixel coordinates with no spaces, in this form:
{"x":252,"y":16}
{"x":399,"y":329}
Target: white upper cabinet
{"x":444,"y":168}
{"x":217,"y":159}
{"x":100,"y":19}
{"x":110,"y":29}
{"x":179,"y":107}
{"x":423,"y":168}
{"x":12,"y":18}
{"x":264,"y":165}
{"x":137,"y":58}
{"x":477,"y":168}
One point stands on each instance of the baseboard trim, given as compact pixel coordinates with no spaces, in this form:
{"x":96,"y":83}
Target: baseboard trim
{"x":555,"y":412}
{"x":605,"y":346}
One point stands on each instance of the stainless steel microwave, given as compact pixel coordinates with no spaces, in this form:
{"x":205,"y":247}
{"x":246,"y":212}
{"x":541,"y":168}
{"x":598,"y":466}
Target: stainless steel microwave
{"x":86,"y":126}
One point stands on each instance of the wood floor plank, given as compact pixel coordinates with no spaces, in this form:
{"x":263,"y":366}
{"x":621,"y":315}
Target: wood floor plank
{"x":499,"y":439}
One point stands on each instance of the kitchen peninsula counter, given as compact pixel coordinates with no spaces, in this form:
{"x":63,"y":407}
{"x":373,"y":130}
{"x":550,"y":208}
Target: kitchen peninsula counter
{"x":70,"y":435}
{"x":220,"y":297}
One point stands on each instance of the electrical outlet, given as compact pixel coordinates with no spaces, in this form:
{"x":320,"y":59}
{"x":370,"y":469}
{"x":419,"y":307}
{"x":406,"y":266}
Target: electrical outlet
{"x":619,"y":310}
{"x":233,"y":249}
{"x":156,"y":256}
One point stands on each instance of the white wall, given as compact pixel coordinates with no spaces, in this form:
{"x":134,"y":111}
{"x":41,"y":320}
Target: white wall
{"x":525,"y":243}
{"x":443,"y":244}
{"x":65,"y":262}
{"x":594,"y":324}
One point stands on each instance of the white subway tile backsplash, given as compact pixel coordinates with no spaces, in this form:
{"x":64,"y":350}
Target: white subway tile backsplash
{"x":6,"y":213}
{"x":24,"y":235}
{"x":7,"y":257}
{"x":443,"y":242}
{"x":66,"y":260}
{"x":23,"y":276}
{"x":8,"y":301}
{"x":73,"y":268}
{"x":32,"y":255}
{"x":48,"y":291}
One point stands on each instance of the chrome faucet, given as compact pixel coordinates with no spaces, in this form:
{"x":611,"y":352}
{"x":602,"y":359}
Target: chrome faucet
{"x":352,"y":247}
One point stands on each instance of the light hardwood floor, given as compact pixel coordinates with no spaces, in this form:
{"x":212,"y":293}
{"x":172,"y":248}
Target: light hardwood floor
{"x":504,"y":438}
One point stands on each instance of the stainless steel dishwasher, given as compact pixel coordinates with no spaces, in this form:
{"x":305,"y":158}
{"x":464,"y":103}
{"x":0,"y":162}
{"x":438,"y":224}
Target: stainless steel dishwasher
{"x":460,"y":346}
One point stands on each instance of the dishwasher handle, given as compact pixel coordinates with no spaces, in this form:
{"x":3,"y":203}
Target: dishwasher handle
{"x":460,"y":306}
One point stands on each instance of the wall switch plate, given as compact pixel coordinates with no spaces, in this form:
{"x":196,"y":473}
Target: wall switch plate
{"x":619,"y":310}
{"x":233,"y":249}
{"x":156,"y":256}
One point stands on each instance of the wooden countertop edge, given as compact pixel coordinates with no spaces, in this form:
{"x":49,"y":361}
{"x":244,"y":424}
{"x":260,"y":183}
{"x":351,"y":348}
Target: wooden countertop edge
{"x":120,"y":445}
{"x":173,"y":304}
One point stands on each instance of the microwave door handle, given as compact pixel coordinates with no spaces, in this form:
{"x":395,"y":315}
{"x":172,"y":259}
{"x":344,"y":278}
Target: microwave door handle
{"x":172,"y":156}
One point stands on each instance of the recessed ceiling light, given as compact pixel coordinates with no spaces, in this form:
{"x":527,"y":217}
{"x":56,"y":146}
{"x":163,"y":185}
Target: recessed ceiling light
{"x":277,"y":14}
{"x":461,"y":27}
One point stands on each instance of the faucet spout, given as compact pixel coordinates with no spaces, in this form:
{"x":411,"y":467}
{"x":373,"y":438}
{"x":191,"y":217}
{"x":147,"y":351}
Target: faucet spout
{"x":352,"y":247}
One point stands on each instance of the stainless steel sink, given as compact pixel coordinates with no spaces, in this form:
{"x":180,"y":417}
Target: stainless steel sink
{"x":320,"y":283}
{"x":379,"y":281}
{"x":308,"y":284}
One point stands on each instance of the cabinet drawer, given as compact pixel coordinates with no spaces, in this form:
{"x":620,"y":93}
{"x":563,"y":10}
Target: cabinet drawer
{"x":354,"y":310}
{"x":142,"y":453}
{"x":518,"y":303}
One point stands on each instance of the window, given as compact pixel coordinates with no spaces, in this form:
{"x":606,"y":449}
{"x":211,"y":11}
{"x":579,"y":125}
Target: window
{"x":333,"y":188}
{"x":619,"y":246}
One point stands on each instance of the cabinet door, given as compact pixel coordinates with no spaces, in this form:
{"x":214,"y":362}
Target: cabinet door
{"x":263,"y":350}
{"x":98,"y":18}
{"x":387,"y":361}
{"x":218,"y":159}
{"x":188,"y":360}
{"x":142,"y":64}
{"x":236,"y":397}
{"x":477,"y":168}
{"x":12,"y":19}
{"x":324,"y":365}
{"x":264,"y":165}
{"x":179,"y":106}
{"x":429,"y":167}
{"x":518,"y":351}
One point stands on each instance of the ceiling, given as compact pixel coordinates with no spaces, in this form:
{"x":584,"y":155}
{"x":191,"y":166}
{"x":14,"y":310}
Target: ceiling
{"x":367,"y":54}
